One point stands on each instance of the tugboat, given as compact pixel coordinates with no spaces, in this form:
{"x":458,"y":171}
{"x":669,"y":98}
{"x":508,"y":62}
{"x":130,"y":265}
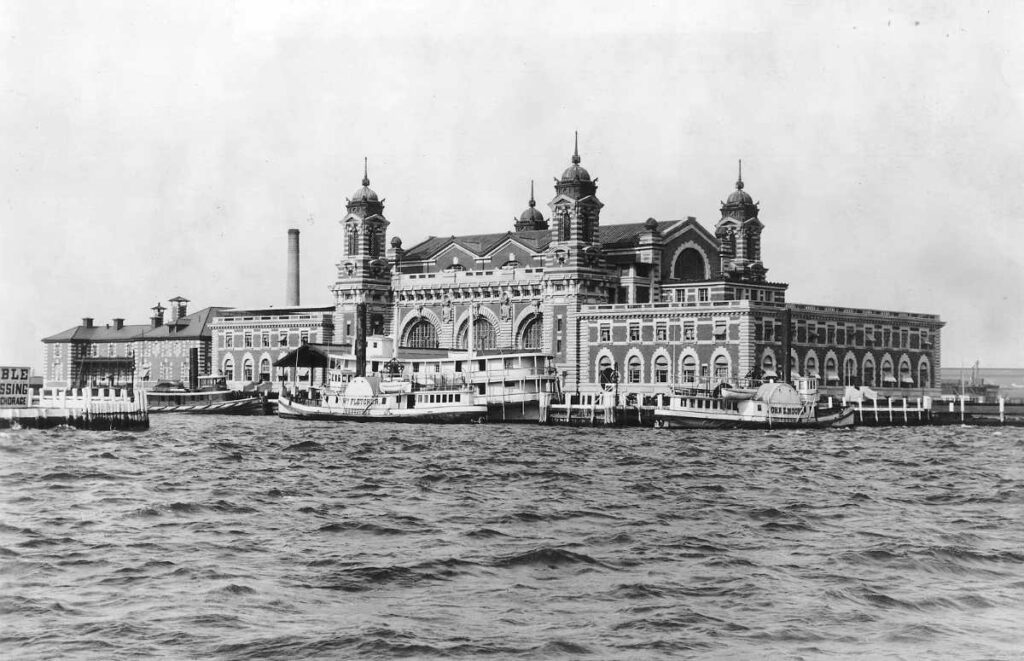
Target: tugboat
{"x":211,"y":397}
{"x":773,"y":405}
{"x":369,"y":399}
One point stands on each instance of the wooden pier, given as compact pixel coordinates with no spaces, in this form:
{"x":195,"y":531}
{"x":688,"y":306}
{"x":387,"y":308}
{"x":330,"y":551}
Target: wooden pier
{"x":601,"y":409}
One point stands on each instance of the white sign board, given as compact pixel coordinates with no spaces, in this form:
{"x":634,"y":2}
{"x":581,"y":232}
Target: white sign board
{"x":14,"y":390}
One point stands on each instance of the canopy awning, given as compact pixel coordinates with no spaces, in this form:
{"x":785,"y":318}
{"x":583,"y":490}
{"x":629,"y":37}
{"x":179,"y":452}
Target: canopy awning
{"x":888,"y":378}
{"x":308,"y":355}
{"x":832,"y":375}
{"x":770,"y":373}
{"x":907,"y":379}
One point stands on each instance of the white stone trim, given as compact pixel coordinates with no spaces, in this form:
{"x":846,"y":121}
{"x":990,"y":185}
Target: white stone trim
{"x":678,"y":253}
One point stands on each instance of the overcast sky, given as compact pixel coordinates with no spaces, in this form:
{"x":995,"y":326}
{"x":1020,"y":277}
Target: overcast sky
{"x":155,"y":149}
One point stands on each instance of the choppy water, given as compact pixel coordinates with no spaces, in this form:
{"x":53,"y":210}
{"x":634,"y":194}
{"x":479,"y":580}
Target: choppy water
{"x":263,"y":538}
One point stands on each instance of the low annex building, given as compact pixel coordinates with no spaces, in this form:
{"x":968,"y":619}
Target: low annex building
{"x":119,"y":355}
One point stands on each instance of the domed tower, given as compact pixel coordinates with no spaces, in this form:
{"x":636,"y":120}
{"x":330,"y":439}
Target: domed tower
{"x":365,"y":225}
{"x":531,"y":218}
{"x":739,"y":234}
{"x":575,"y":273}
{"x":364,"y":274}
{"x":575,"y":215}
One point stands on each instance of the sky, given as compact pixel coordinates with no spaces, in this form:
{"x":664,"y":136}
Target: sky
{"x":157,"y":149}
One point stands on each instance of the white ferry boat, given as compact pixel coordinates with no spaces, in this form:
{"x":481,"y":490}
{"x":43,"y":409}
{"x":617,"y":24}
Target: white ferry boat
{"x":774,"y":405}
{"x":369,"y":399}
{"x":511,"y":384}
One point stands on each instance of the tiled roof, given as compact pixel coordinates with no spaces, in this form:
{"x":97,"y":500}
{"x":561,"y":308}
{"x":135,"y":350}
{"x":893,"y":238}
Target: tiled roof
{"x":99,"y":334}
{"x":190,"y":327}
{"x":478,"y":244}
{"x":617,"y":235}
{"x":193,"y":326}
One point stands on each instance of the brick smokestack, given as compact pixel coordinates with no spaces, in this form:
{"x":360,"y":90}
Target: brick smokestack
{"x":292,"y":289}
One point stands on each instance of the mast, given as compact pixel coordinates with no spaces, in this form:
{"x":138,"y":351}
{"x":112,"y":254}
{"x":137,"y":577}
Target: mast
{"x":787,"y":320}
{"x":360,"y":341}
{"x":470,"y":334}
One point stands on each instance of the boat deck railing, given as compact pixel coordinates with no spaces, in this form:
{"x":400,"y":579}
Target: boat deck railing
{"x":106,"y":400}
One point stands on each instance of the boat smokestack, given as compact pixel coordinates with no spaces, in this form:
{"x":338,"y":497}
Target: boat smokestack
{"x":292,"y":289}
{"x":360,"y":340}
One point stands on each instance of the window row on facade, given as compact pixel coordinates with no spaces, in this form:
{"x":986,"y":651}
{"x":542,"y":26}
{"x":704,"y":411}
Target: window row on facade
{"x":456,"y":294}
{"x":424,"y":334}
{"x":687,"y":331}
{"x":266,"y":338}
{"x":885,"y":371}
{"x":856,"y":335}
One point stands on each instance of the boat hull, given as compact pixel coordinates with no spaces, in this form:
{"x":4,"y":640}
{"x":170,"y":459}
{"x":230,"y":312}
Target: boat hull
{"x":250,"y":406}
{"x":724,"y":420}
{"x":447,"y":415}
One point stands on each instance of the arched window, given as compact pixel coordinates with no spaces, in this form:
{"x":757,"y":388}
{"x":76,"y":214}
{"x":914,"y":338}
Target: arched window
{"x":605,"y":371}
{"x":924,"y":376}
{"x":722,"y":367}
{"x":794,"y":368}
{"x":831,"y":370}
{"x":247,"y":369}
{"x":869,"y":373}
{"x":689,"y":265}
{"x":265,"y":369}
{"x":229,"y":368}
{"x":888,"y":378}
{"x":375,"y":237}
{"x":768,"y":366}
{"x":689,"y":369}
{"x":529,"y":337}
{"x":353,"y":239}
{"x":661,"y":369}
{"x":849,"y":371}
{"x":633,"y":370}
{"x":906,"y":374}
{"x":421,"y":335}
{"x":811,"y":365}
{"x":484,"y":336}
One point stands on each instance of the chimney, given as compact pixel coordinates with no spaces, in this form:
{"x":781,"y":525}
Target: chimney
{"x":118,"y":323}
{"x":87,"y":322}
{"x":179,"y":308}
{"x":158,"y":316}
{"x":291,"y":296}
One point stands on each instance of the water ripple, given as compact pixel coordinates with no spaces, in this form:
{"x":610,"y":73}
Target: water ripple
{"x":259,"y":538}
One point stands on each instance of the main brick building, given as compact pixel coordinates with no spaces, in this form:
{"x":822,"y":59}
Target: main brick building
{"x":642,"y":304}
{"x":645,"y":304}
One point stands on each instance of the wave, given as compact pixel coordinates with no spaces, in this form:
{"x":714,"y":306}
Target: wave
{"x":546,"y":556}
{"x":305,"y":446}
{"x":361,"y":526}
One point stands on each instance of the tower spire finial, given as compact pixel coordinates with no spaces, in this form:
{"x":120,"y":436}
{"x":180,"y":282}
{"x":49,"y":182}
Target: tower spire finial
{"x":576,"y":148}
{"x":739,"y":179}
{"x":533,"y":202}
{"x":366,"y":178}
